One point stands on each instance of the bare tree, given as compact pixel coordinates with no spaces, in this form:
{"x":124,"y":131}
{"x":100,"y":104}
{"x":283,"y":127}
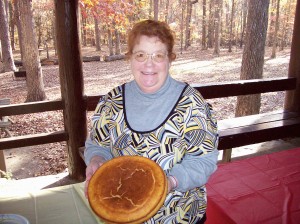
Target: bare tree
{"x":155,"y":10}
{"x":117,"y":42}
{"x":275,"y":38}
{"x":285,"y":25}
{"x":110,"y":41}
{"x":253,"y":55}
{"x":7,"y":55}
{"x":18,"y":24}
{"x":189,"y":9}
{"x":271,"y":28}
{"x":182,"y":3}
{"x":204,"y":26}
{"x":211,"y":24}
{"x":167,"y":10}
{"x":231,"y":25}
{"x":53,"y":33}
{"x":83,"y":31}
{"x":218,"y":9}
{"x":12,"y":25}
{"x":150,"y":8}
{"x":31,"y":59}
{"x":97,"y":34}
{"x":244,"y":21}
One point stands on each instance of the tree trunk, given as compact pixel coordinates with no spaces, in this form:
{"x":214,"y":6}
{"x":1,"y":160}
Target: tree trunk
{"x":218,"y":8}
{"x":38,"y":25}
{"x":182,"y":3}
{"x":167,"y":11}
{"x":271,"y":29}
{"x":155,"y":10}
{"x":204,"y":27}
{"x":150,"y":9}
{"x":31,"y":59}
{"x":12,"y":26}
{"x":231,"y":27}
{"x":110,"y":42}
{"x":97,"y":34}
{"x":54,"y":36}
{"x":83,"y":27}
{"x":211,"y":25}
{"x":18,"y":24}
{"x":253,"y":55}
{"x":117,"y":42}
{"x":189,"y":9}
{"x":285,"y":26}
{"x":275,"y":38}
{"x":244,"y":21}
{"x":7,"y":55}
{"x":187,"y":41}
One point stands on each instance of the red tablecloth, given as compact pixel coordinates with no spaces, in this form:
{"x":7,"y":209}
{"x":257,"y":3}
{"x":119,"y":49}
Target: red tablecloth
{"x":263,"y":190}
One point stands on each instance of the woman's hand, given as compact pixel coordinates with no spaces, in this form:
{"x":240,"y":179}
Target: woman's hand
{"x":172,"y":183}
{"x":95,"y":163}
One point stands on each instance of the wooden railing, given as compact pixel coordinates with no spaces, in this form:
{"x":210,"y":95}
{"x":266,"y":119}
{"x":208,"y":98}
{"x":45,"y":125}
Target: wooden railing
{"x":209,"y":91}
{"x":232,"y":88}
{"x":34,"y":139}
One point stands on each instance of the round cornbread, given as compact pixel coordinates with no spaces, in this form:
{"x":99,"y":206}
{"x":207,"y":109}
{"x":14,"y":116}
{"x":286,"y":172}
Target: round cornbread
{"x":127,"y":189}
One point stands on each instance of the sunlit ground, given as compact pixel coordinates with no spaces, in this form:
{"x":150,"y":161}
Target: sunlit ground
{"x":13,"y":187}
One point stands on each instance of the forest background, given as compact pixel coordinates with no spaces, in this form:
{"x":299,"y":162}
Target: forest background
{"x":210,"y":40}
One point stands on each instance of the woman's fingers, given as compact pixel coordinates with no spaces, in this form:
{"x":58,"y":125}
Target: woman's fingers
{"x":95,"y":163}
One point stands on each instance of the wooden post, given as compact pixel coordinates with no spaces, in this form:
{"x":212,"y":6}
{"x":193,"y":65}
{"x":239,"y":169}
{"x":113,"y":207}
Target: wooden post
{"x":71,"y":80}
{"x":292,"y":99}
{"x":4,"y":123}
{"x":2,"y":162}
{"x":226,"y":155}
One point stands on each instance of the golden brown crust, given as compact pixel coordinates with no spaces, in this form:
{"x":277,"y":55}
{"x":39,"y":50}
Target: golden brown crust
{"x":127,"y":189}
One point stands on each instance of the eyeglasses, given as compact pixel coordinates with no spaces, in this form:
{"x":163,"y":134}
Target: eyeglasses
{"x":142,"y":56}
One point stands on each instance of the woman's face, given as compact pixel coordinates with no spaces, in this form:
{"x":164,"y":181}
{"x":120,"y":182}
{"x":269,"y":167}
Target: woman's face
{"x":150,"y":74}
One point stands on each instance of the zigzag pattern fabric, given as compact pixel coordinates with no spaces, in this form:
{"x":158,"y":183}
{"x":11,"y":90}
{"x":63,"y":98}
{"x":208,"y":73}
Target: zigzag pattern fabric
{"x":190,"y":128}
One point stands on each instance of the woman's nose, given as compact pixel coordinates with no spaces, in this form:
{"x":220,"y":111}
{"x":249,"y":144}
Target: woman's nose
{"x":149,"y":60}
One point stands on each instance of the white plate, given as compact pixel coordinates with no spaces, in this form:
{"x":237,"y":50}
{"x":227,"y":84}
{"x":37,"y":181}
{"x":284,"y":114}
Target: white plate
{"x":13,"y":219}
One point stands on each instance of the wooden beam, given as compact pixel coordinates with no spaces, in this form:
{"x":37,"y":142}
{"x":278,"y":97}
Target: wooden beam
{"x":245,"y":87}
{"x":209,"y":91}
{"x":71,"y":79}
{"x":226,"y":89}
{"x":32,"y":107}
{"x":236,"y":137}
{"x":34,"y":139}
{"x":256,"y":119}
{"x":292,"y":99}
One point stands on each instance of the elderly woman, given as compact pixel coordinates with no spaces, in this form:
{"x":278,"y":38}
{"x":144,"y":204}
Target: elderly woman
{"x":162,"y":119}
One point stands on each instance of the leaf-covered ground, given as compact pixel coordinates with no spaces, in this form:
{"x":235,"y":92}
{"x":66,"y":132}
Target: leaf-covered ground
{"x":192,"y":66}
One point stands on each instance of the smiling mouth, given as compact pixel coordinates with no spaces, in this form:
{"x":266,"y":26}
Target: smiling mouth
{"x":148,"y":73}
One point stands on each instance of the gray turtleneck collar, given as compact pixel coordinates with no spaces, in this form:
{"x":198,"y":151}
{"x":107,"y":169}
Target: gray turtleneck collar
{"x":145,"y":112}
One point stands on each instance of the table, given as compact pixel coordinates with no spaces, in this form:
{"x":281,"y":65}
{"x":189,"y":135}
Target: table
{"x":65,"y":204}
{"x":263,"y":189}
